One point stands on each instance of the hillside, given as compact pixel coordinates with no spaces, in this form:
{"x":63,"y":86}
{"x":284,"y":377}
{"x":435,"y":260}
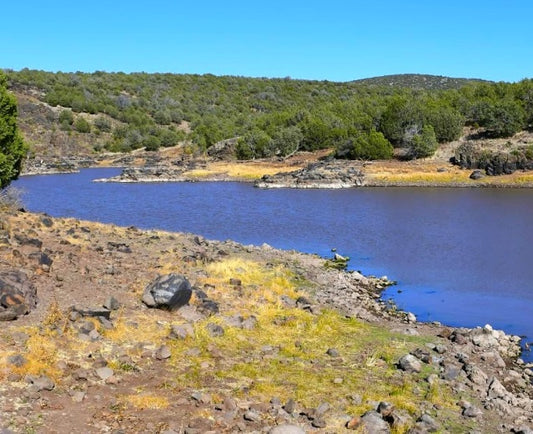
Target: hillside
{"x":419,"y":81}
{"x":82,"y":113}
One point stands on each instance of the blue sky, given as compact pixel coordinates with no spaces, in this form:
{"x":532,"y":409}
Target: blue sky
{"x":337,"y":40}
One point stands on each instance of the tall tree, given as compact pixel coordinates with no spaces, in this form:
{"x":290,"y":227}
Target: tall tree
{"x":12,"y":147}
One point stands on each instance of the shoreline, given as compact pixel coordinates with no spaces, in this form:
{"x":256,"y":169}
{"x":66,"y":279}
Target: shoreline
{"x":300,"y":173}
{"x":490,"y":385}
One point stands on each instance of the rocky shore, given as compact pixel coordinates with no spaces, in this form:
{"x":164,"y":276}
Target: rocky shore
{"x":110,"y":329}
{"x":322,"y":174}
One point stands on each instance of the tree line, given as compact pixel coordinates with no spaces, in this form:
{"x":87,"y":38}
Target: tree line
{"x":277,"y":117}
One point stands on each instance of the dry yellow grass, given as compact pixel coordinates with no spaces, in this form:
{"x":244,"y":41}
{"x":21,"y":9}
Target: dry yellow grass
{"x":147,"y":401}
{"x":249,"y":170}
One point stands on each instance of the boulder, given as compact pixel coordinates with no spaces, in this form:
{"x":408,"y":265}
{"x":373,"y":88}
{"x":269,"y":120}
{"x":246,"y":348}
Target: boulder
{"x":410,"y":363}
{"x":170,"y":292}
{"x":17,"y":295}
{"x":476,"y":174}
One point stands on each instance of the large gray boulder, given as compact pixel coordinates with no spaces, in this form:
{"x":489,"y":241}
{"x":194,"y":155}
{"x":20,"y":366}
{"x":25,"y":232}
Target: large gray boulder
{"x":169,"y":292}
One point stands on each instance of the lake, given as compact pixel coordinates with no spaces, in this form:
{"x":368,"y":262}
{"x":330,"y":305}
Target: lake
{"x":461,"y":256}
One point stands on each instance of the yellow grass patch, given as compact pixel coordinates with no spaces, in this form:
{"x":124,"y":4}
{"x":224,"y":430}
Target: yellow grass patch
{"x":147,"y":401}
{"x":249,"y":170}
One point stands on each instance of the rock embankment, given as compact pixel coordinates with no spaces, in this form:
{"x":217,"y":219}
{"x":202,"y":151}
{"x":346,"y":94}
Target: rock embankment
{"x":322,"y":174}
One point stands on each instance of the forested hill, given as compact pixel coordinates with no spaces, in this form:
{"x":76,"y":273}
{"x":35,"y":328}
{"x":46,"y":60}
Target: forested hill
{"x":419,"y":81}
{"x":91,"y":112}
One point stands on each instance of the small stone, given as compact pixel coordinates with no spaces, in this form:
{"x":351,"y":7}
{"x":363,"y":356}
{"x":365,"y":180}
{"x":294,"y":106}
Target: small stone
{"x":163,"y":352}
{"x":235,"y":282}
{"x":322,"y":409}
{"x":42,"y":383}
{"x":215,"y":330}
{"x":287,"y":429}
{"x":78,"y":396}
{"x":104,"y":373}
{"x":385,"y":409}
{"x":16,"y":360}
{"x":411,"y":318}
{"x":318,"y":423}
{"x":111,"y":303}
{"x":290,"y":406}
{"x":181,"y":331}
{"x":472,"y":411}
{"x":353,"y":423}
{"x":252,"y":416}
{"x":332,"y":352}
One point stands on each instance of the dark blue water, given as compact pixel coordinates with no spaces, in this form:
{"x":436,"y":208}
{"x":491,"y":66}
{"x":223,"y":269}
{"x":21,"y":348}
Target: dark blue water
{"x":460,"y":256}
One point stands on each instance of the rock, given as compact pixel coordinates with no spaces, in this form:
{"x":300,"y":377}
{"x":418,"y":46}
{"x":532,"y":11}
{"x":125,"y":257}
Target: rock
{"x":385,"y":409}
{"x":169,"y":292}
{"x":17,"y":295}
{"x":215,"y":330}
{"x":181,"y":331}
{"x":42,"y":259}
{"x":332,"y":352}
{"x":85,"y":327}
{"x":410,"y":363}
{"x":287,"y":429}
{"x":92,"y":312}
{"x":104,"y":373}
{"x":235,"y":282}
{"x":111,"y":303}
{"x":208,"y":307}
{"x":42,"y":383}
{"x":374,"y":423}
{"x":16,"y":360}
{"x":426,"y":424}
{"x":252,"y":416}
{"x":472,"y":411}
{"x":476,"y":174}
{"x":78,"y":396}
{"x":318,"y":423}
{"x":163,"y":352}
{"x":290,"y":406}
{"x":411,"y":318}
{"x":475,"y":374}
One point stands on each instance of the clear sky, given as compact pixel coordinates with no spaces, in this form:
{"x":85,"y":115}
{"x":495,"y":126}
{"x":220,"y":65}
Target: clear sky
{"x":337,"y":40}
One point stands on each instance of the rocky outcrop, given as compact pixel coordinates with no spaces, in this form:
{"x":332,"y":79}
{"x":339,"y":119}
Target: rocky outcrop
{"x":223,"y":150}
{"x":323,"y":174}
{"x":473,"y":156}
{"x":164,"y":172}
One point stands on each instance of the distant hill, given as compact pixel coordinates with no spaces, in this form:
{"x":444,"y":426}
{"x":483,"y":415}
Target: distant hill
{"x":419,"y":81}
